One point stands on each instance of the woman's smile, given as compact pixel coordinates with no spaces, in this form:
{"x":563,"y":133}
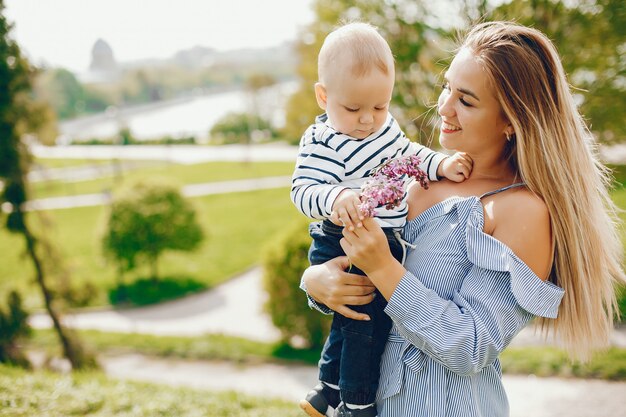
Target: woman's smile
{"x":449,"y":128}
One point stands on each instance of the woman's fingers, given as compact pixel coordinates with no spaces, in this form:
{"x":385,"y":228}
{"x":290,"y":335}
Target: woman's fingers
{"x":351,"y":314}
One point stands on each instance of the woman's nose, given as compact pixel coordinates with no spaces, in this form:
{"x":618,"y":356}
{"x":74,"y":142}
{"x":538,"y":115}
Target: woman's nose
{"x":444,"y":105}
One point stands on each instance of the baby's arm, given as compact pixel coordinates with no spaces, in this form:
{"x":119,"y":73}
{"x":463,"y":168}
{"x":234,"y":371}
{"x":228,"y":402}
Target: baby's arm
{"x":316,"y":179}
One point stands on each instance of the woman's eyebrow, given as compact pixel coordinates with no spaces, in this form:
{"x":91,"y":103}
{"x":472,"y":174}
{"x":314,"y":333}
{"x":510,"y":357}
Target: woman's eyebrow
{"x":461,"y":90}
{"x":468,"y":92}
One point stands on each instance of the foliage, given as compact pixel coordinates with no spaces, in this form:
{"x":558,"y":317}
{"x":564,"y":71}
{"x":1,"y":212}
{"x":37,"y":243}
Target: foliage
{"x":591,"y":39}
{"x":146,"y":291}
{"x":17,"y":117}
{"x":147,"y":219}
{"x":13,"y":327}
{"x":26,"y":394}
{"x":590,"y":36}
{"x":283,"y":265}
{"x":239,"y":128}
{"x":66,"y":95}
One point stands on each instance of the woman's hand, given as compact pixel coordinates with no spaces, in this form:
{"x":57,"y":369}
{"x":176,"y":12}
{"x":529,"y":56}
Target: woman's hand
{"x":367,"y":246}
{"x":368,"y":249}
{"x":329,"y":284}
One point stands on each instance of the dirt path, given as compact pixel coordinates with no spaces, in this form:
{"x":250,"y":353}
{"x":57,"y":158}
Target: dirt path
{"x":529,"y":396}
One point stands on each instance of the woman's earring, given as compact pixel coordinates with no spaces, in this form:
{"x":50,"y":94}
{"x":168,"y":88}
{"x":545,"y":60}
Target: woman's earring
{"x":508,"y":136}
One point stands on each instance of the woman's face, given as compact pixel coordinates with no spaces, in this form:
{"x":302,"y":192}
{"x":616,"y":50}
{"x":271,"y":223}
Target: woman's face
{"x":471,"y":118}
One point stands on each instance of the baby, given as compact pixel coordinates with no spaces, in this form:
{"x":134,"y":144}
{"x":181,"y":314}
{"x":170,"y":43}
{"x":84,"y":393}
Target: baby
{"x":337,"y":154}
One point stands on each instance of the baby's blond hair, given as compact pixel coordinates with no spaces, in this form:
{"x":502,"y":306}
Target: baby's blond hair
{"x":356,"y":47}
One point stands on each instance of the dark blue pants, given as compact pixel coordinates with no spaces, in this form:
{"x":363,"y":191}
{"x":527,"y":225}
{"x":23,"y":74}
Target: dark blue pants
{"x":353,"y":349}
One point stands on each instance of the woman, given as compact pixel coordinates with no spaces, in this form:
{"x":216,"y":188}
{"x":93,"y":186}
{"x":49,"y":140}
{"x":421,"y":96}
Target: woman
{"x":530,"y":234}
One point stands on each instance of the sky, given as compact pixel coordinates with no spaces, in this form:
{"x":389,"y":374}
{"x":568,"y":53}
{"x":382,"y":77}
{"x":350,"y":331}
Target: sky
{"x":62,"y":32}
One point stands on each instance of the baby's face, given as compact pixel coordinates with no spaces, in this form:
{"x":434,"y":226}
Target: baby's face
{"x":358,"y":106}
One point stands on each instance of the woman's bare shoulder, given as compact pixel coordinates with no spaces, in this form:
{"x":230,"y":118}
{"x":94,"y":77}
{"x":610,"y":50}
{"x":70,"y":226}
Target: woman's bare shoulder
{"x":521,"y":220}
{"x":421,"y":199}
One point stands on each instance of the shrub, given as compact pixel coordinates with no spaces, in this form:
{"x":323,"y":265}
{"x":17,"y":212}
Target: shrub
{"x":240,"y":128}
{"x":13,"y":327}
{"x":284,"y":262}
{"x":146,"y":220}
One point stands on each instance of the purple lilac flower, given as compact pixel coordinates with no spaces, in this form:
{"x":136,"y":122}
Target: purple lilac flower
{"x":386,"y":186}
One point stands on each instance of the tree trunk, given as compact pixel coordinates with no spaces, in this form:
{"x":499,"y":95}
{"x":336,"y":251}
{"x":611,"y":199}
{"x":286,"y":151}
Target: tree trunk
{"x":71,"y":348}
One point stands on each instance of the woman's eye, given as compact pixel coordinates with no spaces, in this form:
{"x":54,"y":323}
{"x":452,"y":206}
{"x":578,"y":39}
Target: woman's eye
{"x":465,"y":103}
{"x":352,"y":110}
{"x":380,"y":108}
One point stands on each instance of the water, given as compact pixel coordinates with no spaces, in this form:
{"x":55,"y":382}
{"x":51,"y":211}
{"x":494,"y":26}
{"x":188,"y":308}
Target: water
{"x":177,"y":118}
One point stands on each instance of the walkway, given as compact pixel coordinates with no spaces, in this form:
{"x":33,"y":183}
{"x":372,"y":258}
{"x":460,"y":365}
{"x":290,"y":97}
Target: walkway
{"x":529,"y":396}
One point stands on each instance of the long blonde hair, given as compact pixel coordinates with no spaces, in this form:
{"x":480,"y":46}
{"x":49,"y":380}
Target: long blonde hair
{"x":552,"y":151}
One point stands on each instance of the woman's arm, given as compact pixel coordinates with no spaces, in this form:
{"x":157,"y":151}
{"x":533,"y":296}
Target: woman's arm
{"x":330,"y":285}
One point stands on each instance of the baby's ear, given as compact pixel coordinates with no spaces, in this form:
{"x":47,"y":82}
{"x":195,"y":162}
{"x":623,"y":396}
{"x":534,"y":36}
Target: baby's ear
{"x":320,"y":95}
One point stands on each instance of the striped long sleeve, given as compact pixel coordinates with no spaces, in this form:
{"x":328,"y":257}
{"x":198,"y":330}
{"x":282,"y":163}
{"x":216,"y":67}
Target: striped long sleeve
{"x":329,"y":162}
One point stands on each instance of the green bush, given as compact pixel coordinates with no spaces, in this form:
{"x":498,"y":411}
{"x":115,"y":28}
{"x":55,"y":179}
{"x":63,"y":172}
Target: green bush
{"x":240,"y":128}
{"x":283,"y":263}
{"x":147,"y":219}
{"x":13,"y":327}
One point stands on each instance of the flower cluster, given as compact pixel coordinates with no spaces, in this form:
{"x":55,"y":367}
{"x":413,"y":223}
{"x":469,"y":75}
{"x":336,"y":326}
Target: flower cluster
{"x":386,"y":185}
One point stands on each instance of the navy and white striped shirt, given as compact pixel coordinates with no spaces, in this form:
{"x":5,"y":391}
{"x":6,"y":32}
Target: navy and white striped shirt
{"x":463,"y":299}
{"x":329,"y":162}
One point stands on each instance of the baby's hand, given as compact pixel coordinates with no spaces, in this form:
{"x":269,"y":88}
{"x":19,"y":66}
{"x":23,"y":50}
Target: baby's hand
{"x":346,"y":210}
{"x":456,"y":168}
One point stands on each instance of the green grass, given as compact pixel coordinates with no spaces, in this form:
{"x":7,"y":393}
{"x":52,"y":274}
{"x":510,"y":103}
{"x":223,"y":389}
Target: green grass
{"x":177,"y":173}
{"x":46,"y":394}
{"x":237,"y":226}
{"x":547,"y":361}
{"x":540,"y":361}
{"x":207,"y":347}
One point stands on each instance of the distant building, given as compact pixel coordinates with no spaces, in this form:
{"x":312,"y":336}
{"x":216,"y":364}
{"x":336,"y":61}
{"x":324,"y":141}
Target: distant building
{"x":102,"y":59}
{"x":103,"y":67}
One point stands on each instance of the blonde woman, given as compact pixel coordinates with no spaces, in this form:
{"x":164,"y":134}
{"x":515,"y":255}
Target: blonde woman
{"x":530,"y":234}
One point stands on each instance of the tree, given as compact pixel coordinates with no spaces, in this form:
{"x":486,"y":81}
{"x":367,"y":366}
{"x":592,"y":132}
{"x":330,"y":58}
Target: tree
{"x":590,"y":36}
{"x":13,"y":326}
{"x":17,"y":117}
{"x":146,"y":220}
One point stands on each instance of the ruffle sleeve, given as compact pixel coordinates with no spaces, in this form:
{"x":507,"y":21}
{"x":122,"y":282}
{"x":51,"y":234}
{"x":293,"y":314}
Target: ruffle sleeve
{"x":497,"y":295}
{"x":538,"y":297}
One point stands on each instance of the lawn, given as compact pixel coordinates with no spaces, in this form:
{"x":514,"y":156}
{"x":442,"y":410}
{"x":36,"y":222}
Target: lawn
{"x":540,"y":360}
{"x":178,"y":173}
{"x":26,"y":394}
{"x":237,"y":227}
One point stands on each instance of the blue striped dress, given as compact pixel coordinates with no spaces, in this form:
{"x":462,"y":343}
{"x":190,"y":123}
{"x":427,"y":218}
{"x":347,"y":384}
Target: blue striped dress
{"x":463,"y":299}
